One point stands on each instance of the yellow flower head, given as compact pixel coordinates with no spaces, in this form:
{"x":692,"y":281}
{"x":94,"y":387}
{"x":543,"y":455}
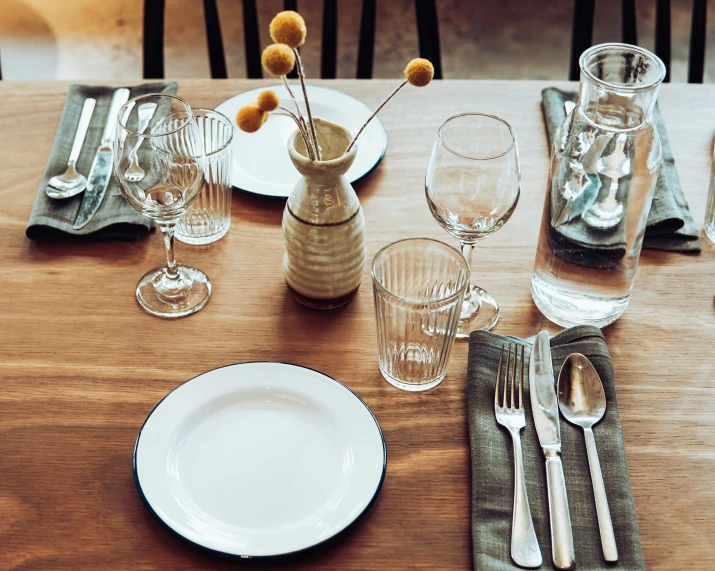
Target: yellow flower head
{"x":288,"y":28}
{"x":268,"y":100}
{"x":419,"y":72}
{"x":278,"y":59}
{"x":250,"y":118}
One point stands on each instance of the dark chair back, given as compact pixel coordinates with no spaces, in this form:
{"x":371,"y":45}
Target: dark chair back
{"x":582,"y":34}
{"x":427,"y":31}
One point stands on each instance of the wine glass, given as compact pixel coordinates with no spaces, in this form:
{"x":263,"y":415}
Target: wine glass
{"x":472,"y":188}
{"x":159,"y":163}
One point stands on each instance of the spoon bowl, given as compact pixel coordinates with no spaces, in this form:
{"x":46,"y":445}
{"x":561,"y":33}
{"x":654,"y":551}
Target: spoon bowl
{"x":67,"y":184}
{"x":582,"y":400}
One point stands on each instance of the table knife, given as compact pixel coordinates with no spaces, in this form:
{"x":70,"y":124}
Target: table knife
{"x":101,"y":170}
{"x":545,"y":410}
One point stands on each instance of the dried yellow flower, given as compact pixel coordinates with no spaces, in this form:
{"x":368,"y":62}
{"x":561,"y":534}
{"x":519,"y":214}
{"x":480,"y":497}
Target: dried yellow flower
{"x":288,"y":28}
{"x":419,"y":72}
{"x":268,"y":100}
{"x":250,"y":118}
{"x":278,"y":59}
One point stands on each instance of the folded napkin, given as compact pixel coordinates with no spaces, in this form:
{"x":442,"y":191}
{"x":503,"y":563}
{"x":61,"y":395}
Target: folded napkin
{"x":51,"y":219}
{"x":670,"y":225}
{"x":493,"y":465}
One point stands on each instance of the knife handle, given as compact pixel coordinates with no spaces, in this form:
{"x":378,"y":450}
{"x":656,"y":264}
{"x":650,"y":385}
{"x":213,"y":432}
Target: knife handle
{"x":120,"y":97}
{"x":562,"y":549}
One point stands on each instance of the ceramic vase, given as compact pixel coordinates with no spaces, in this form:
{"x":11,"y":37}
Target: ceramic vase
{"x":323,"y":223}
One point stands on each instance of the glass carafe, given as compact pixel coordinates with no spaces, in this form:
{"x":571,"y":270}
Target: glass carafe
{"x":604,"y":163}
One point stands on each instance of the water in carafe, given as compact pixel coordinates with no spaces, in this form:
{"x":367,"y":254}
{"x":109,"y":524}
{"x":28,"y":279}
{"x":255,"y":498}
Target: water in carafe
{"x":604,"y":165}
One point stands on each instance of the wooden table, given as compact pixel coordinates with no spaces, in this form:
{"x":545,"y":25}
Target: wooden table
{"x":81,"y":365}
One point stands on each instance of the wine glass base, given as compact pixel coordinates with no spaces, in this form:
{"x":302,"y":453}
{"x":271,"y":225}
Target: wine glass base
{"x":188,"y":301}
{"x":484,"y":318}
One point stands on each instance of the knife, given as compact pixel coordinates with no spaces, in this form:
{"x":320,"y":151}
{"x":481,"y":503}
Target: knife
{"x":101,"y":170}
{"x":545,"y":410}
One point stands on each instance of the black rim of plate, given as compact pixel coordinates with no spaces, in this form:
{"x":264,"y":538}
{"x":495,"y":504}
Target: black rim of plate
{"x":356,"y":519}
{"x":357,"y":180}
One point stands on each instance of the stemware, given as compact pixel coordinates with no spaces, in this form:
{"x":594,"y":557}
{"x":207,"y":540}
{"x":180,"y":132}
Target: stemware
{"x":472,"y":187}
{"x":170,"y":151}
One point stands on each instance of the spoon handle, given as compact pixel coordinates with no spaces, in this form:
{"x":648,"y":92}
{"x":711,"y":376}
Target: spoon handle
{"x":84,"y":118}
{"x":605,"y":525}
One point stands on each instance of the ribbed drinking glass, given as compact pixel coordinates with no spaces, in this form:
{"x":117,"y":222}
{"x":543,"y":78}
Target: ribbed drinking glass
{"x":419,"y":285}
{"x":209,"y":217}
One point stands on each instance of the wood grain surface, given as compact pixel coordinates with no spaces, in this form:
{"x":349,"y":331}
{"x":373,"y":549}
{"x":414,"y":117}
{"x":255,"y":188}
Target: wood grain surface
{"x":81,"y":365}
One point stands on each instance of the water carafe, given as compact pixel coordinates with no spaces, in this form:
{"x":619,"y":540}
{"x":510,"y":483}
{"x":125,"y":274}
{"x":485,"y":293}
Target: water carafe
{"x":604,"y":164}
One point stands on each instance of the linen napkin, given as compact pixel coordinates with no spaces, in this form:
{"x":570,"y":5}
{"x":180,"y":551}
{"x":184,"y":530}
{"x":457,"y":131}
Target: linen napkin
{"x":493,"y":466}
{"x":52,"y":220}
{"x":670,"y":225}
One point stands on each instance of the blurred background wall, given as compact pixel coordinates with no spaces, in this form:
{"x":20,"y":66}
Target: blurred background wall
{"x":489,"y":39}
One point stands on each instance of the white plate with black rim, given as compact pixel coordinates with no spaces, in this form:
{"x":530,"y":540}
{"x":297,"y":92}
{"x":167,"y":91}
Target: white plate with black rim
{"x":259,"y":459}
{"x":261,"y":164}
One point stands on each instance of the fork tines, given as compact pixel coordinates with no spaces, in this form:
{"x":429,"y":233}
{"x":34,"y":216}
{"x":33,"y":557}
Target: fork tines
{"x":514,"y":357}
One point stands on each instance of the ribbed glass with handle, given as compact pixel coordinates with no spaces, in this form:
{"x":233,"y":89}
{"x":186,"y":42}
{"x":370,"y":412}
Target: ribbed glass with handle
{"x":418,"y":285}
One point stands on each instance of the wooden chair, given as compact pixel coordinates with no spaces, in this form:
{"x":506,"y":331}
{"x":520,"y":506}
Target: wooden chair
{"x":582,"y":34}
{"x":153,"y":59}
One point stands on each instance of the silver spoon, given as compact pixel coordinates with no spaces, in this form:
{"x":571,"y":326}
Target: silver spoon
{"x":71,"y":182}
{"x":582,"y":402}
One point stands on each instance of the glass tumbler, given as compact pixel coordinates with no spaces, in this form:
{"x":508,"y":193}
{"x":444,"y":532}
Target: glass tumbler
{"x":418,"y":285}
{"x":209,"y":218}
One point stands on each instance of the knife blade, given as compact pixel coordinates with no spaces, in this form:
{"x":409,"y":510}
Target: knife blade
{"x":101,"y":170}
{"x":545,"y":410}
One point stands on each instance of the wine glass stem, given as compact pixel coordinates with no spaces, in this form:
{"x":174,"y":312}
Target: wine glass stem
{"x":172,"y":271}
{"x":467,"y":250}
{"x":470,"y":303}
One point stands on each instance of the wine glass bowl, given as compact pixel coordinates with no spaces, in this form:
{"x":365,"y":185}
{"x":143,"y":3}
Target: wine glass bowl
{"x":168,"y":148}
{"x":472,"y":188}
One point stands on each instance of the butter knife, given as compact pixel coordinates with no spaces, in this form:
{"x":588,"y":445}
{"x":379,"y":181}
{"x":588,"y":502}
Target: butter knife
{"x":545,"y":410}
{"x":101,"y":170}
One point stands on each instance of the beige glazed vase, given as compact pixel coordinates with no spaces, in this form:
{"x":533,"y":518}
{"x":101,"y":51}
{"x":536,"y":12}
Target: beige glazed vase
{"x":323,"y":224}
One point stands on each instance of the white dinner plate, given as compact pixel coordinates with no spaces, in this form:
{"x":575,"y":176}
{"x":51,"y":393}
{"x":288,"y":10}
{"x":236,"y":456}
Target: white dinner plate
{"x":259,"y":459}
{"x":261,"y":164}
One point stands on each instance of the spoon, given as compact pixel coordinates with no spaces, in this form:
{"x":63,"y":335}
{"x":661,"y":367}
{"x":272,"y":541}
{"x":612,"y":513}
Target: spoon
{"x":582,"y":402}
{"x":70,"y":182}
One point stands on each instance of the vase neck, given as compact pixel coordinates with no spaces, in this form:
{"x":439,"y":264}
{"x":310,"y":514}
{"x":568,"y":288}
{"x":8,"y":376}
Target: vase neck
{"x":619,"y":86}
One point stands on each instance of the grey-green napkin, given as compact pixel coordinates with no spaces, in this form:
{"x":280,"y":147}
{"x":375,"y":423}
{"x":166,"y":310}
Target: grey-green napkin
{"x":493,"y":466}
{"x":52,"y":220}
{"x":670,"y":225}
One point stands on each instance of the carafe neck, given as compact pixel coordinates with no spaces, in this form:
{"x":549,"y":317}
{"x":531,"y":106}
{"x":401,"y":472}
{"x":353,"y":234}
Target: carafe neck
{"x":619,"y":86}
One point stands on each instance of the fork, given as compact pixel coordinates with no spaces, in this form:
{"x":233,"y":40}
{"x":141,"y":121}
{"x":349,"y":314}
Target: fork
{"x":525,"y":549}
{"x":134,"y":172}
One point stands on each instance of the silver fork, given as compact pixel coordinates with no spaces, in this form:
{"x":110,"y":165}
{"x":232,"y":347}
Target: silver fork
{"x":525,"y":549}
{"x":134,"y":172}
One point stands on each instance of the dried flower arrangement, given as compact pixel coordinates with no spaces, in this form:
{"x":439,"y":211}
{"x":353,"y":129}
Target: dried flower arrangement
{"x":288,"y":31}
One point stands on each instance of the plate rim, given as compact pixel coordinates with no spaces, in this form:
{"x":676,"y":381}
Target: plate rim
{"x":210,"y":550}
{"x":383,"y":151}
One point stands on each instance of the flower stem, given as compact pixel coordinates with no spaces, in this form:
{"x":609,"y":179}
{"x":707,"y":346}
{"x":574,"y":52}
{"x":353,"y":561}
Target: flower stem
{"x":290,"y":92}
{"x":375,"y":113}
{"x":301,"y":76}
{"x":286,"y":113}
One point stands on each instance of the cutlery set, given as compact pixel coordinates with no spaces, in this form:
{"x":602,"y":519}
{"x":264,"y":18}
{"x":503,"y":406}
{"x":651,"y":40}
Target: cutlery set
{"x":70,"y":183}
{"x":582,"y":402}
